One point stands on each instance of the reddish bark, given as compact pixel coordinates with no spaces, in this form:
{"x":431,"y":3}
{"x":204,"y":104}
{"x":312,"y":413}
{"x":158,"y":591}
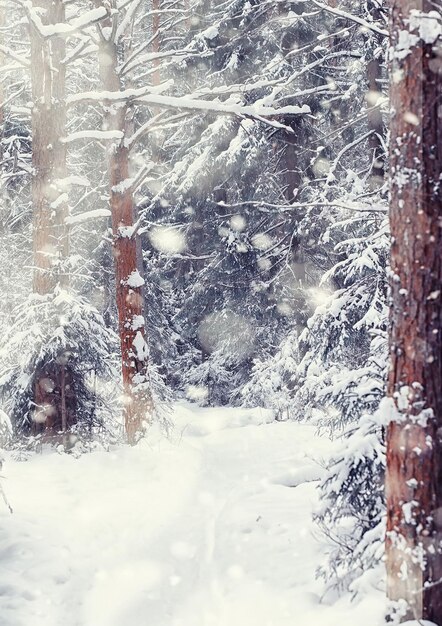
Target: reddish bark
{"x":414,"y":450}
{"x":128,"y":264}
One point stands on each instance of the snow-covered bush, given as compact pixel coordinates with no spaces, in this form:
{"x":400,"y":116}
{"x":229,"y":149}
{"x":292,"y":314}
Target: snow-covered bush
{"x":351,"y":513}
{"x":55,"y":335}
{"x":341,"y":381}
{"x":273,"y":380}
{"x":207,"y":382}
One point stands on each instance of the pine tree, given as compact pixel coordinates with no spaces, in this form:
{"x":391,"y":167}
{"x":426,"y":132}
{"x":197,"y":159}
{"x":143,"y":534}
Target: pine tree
{"x":331,"y":367}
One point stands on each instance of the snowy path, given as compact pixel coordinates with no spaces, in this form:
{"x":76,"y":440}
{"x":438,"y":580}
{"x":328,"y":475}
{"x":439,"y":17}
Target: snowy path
{"x":211,"y":529}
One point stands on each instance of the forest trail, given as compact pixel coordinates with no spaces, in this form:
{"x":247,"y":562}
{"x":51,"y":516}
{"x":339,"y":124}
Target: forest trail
{"x":210,"y":528}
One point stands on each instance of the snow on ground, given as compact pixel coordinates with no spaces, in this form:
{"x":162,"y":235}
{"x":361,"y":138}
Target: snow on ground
{"x":210,"y":528}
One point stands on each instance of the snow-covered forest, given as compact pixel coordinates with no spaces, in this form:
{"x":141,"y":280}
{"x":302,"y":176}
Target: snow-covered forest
{"x":220,"y":322}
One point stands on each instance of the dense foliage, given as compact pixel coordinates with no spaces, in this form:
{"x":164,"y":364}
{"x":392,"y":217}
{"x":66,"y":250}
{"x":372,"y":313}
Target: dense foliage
{"x":257,"y":147}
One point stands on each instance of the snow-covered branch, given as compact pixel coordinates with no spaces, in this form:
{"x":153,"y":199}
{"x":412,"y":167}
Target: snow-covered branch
{"x":63,"y":29}
{"x":266,"y":206}
{"x":14,"y":55}
{"x":257,"y":112}
{"x":86,"y":216}
{"x":352,"y":18}
{"x":100,"y":135}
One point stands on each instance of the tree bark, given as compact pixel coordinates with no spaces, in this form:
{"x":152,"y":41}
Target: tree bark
{"x":48,"y":153}
{"x":49,"y":199}
{"x":414,"y":448}
{"x":138,"y":404}
{"x":156,"y":40}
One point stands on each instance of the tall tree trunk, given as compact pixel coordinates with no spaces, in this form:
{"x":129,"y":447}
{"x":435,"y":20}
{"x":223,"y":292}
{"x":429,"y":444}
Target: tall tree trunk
{"x":50,"y":235}
{"x":2,"y":99}
{"x":156,"y":40}
{"x":128,"y":264}
{"x":414,"y":448}
{"x":48,"y":152}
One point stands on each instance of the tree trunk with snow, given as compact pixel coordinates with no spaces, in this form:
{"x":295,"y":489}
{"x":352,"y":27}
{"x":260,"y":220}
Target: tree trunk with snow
{"x":128,"y":264}
{"x":48,"y":152}
{"x":49,"y":198}
{"x":414,"y":447}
